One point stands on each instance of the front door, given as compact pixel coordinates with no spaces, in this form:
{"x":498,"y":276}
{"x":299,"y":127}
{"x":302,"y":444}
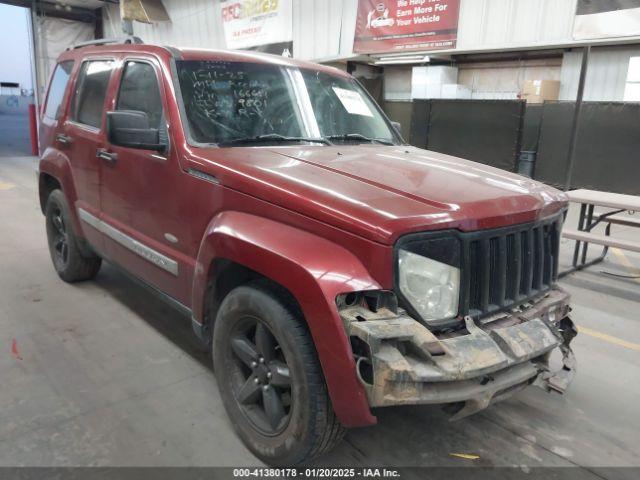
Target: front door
{"x":139,"y":190}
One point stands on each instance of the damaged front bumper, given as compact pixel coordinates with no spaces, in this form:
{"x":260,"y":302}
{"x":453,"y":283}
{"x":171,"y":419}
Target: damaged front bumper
{"x":401,"y":362}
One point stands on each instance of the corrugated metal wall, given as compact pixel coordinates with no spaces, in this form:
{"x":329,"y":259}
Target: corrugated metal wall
{"x":486,"y":24}
{"x":194,"y":23}
{"x":606,"y":74}
{"x":324,"y":29}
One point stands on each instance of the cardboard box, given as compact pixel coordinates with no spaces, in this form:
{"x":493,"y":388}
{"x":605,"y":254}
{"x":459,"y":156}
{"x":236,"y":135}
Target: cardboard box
{"x":533,"y":98}
{"x":537,"y":91}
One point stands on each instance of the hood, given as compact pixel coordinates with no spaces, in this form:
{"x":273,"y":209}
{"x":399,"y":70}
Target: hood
{"x":381,"y":192}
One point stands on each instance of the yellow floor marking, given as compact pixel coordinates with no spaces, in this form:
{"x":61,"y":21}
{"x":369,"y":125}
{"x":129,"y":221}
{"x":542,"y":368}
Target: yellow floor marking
{"x":6,"y":186}
{"x":623,"y":259}
{"x":609,"y":338}
{"x":466,"y":456}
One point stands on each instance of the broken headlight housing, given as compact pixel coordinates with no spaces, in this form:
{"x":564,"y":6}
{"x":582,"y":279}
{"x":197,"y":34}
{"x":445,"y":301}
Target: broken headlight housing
{"x":431,"y":287}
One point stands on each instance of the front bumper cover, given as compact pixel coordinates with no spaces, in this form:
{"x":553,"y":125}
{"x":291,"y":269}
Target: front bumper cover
{"x":408,"y":364}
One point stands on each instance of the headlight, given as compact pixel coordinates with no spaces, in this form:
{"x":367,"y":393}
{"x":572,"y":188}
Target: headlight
{"x":431,"y":287}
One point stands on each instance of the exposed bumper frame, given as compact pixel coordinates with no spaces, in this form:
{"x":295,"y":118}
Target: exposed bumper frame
{"x":408,"y":364}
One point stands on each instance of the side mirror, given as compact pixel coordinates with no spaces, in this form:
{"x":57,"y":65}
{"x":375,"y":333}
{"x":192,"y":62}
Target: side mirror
{"x":130,"y":128}
{"x":397,"y":126}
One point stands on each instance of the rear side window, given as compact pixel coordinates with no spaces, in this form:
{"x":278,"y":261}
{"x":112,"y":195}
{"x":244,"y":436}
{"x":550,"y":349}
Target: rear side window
{"x":139,"y":91}
{"x":91,"y":89}
{"x":57,"y":88}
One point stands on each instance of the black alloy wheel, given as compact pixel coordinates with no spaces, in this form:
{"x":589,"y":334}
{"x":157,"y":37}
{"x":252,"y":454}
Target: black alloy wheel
{"x":269,"y":376}
{"x":262,"y":380}
{"x":60,"y":239}
{"x":72,"y":263}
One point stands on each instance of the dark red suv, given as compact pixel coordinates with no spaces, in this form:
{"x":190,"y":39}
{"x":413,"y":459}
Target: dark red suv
{"x":331,"y":267}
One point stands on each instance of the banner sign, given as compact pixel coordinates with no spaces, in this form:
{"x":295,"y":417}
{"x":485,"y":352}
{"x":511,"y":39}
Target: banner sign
{"x":606,"y":18}
{"x":388,"y":26}
{"x":250,"y":23}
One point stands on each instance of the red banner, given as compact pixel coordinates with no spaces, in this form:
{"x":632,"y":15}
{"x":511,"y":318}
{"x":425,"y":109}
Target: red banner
{"x":386,"y":26}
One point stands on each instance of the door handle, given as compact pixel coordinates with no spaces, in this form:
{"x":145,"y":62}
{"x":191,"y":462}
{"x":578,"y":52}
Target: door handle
{"x":103,"y":154}
{"x":63,"y":139}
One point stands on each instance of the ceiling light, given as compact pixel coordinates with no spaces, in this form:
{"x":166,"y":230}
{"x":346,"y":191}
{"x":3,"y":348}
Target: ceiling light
{"x":402,"y":59}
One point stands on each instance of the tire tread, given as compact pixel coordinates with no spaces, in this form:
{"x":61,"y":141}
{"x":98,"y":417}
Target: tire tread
{"x":80,"y":267}
{"x":325,"y":431}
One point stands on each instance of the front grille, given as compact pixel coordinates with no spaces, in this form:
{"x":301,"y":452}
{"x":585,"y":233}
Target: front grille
{"x":503,"y":267}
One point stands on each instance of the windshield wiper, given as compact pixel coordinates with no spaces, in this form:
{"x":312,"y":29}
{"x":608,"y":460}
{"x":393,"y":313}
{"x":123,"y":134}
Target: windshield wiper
{"x":359,"y":136}
{"x":272,"y":137}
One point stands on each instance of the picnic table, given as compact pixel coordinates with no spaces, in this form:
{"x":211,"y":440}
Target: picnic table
{"x":621,"y":211}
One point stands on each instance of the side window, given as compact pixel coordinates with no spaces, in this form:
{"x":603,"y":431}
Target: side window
{"x":57,"y":88}
{"x":139,"y":91}
{"x":91,"y":89}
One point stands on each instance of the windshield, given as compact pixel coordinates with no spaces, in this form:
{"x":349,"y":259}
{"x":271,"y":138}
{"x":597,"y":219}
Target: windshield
{"x":230,"y":102}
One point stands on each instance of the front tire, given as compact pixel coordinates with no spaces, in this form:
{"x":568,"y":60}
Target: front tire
{"x":270,"y":379}
{"x":68,"y":260}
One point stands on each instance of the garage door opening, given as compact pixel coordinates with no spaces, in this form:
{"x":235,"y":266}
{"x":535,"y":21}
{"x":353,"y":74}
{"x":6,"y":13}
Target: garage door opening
{"x":16,"y":81}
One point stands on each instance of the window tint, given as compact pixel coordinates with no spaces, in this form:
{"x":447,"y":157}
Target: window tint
{"x":90,"y":92}
{"x":57,"y":87}
{"x":139,"y":91}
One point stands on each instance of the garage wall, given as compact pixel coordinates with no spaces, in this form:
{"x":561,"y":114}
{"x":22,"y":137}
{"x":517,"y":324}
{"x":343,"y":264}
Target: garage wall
{"x":322,"y":29}
{"x":487,"y":24}
{"x":606,"y":74}
{"x":194,"y":23}
{"x":506,"y":77}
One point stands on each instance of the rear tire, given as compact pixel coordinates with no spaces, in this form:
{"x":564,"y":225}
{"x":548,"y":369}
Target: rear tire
{"x":280,"y":406}
{"x":68,"y":260}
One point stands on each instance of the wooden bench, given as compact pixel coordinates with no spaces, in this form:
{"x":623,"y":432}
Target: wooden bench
{"x":619,"y":204}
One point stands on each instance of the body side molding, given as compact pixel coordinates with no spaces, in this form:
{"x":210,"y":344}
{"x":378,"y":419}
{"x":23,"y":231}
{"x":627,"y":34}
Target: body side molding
{"x":148,"y":253}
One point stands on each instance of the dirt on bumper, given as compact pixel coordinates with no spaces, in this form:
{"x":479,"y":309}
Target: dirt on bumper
{"x":407,"y":364}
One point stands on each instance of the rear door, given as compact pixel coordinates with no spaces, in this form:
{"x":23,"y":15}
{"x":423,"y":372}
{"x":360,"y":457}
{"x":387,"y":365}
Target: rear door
{"x":140,"y":191}
{"x":83,"y":135}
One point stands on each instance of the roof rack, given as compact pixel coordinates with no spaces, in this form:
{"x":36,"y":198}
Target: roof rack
{"x":105,"y":41}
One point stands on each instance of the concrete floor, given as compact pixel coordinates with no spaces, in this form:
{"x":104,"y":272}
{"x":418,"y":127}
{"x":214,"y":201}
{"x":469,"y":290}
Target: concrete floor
{"x":105,"y":374}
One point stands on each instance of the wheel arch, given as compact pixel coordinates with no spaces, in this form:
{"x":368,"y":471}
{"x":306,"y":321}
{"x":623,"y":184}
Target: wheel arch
{"x":55,"y":172}
{"x":47,"y":183}
{"x":310,"y":270}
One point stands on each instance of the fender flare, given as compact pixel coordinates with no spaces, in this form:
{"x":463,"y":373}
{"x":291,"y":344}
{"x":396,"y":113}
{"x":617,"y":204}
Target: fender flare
{"x":314,"y":270}
{"x":56,"y":164}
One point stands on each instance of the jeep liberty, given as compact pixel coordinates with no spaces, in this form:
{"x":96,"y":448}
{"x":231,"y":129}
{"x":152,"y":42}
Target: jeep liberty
{"x":330,"y":267}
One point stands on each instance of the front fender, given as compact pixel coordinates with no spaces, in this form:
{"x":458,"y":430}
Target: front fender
{"x":314,"y":270}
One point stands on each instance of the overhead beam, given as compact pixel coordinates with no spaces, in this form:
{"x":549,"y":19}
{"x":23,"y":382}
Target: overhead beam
{"x":49,"y":9}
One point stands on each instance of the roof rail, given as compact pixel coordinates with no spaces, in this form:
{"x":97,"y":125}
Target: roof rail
{"x":105,"y":41}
